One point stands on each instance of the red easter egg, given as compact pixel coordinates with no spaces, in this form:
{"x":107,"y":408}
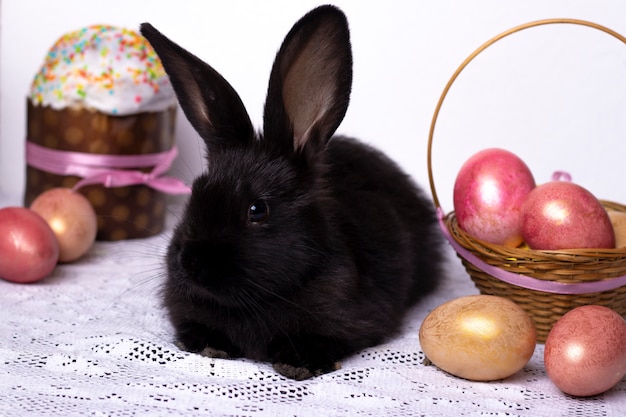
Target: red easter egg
{"x":563,"y":215}
{"x":28,"y":248}
{"x":585,"y":352}
{"x":488,"y":194}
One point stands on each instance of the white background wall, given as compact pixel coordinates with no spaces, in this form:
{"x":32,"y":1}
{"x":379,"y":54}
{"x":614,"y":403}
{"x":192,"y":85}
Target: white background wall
{"x":554,"y":95}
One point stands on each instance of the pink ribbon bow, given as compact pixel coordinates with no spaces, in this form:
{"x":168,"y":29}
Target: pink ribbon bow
{"x":108,"y":170}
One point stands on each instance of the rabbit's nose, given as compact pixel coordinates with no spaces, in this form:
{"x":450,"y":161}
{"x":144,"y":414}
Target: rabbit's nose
{"x":192,"y":259}
{"x":205,"y":262}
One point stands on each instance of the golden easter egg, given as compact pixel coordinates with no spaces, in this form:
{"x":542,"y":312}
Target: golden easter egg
{"x":478,"y":337}
{"x":72,"y":219}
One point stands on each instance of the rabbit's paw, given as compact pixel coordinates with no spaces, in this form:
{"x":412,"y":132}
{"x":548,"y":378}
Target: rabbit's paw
{"x":210,"y":352}
{"x":196,"y":338}
{"x":300,"y":373}
{"x":305,"y":356}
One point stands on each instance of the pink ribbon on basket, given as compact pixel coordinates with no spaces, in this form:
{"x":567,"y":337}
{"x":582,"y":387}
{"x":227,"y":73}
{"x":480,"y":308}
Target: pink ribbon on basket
{"x":108,"y":170}
{"x":526,"y":281}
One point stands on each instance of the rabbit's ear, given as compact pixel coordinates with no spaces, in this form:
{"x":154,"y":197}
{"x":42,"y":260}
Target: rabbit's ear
{"x":310,"y":82}
{"x":210,"y":103}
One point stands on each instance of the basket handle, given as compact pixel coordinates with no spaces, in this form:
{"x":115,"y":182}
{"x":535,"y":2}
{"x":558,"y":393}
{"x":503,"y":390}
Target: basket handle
{"x":474,"y":55}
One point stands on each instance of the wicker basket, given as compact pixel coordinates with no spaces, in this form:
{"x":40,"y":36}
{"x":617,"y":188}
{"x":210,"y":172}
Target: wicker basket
{"x":546,"y":284}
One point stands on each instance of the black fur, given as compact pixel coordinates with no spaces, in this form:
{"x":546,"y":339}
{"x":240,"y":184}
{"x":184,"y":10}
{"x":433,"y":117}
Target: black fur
{"x":294,"y":248}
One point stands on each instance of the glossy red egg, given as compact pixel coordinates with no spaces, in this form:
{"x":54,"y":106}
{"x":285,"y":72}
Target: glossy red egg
{"x":563,"y":215}
{"x":488,"y":195}
{"x":585,"y":352}
{"x":28,"y":248}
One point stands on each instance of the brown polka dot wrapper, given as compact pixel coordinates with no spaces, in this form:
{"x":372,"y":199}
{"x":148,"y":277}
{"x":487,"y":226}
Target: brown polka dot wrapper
{"x":130,"y":212}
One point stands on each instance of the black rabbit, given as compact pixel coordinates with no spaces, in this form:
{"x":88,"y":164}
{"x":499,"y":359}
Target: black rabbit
{"x":294,"y":248}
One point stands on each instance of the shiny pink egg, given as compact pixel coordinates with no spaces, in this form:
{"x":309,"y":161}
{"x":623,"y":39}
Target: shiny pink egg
{"x":28,"y":248}
{"x":488,"y":194}
{"x":585,"y":352}
{"x":563,"y":215}
{"x":71,"y":217}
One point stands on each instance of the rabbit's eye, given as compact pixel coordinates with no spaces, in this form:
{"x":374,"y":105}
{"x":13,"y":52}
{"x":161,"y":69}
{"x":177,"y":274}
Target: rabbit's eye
{"x":258,"y":211}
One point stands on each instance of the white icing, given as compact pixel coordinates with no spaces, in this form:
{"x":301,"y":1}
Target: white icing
{"x":104,"y":68}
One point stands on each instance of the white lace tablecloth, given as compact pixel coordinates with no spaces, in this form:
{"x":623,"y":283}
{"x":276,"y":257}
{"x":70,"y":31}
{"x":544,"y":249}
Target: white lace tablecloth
{"x":92,"y":339}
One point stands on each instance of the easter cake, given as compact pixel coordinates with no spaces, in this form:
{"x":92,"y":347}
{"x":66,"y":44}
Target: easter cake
{"x":100,"y":96}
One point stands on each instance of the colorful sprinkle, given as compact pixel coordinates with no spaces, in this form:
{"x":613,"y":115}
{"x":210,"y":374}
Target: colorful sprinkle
{"x":109,"y":69}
